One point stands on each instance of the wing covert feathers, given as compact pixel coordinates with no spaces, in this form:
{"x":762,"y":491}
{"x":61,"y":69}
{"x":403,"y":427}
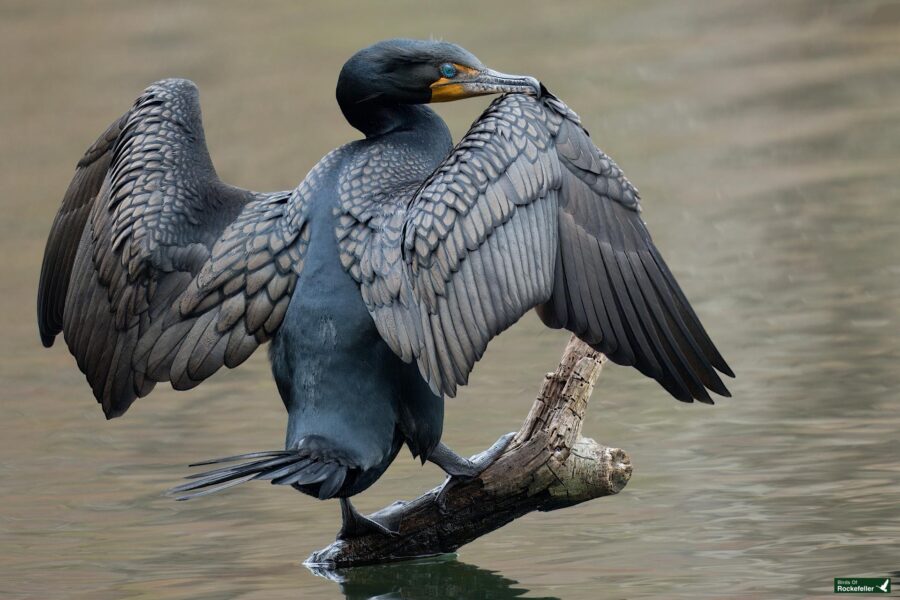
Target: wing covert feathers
{"x":525,"y":212}
{"x":155,"y":270}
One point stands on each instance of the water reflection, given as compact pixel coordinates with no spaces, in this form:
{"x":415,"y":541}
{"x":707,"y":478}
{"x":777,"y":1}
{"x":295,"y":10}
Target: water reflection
{"x":438,"y":578}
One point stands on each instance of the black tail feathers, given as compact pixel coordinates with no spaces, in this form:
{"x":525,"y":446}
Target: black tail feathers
{"x":282,"y":467}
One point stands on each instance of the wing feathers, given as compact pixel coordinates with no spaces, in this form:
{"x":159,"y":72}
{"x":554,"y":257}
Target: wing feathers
{"x":526,"y":212}
{"x":155,"y":269}
{"x":66,"y":232}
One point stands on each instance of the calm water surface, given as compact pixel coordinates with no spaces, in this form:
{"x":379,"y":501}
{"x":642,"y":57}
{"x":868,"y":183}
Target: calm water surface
{"x":765,"y":138}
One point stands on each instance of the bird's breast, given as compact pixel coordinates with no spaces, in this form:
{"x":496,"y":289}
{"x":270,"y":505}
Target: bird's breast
{"x":327,"y":301}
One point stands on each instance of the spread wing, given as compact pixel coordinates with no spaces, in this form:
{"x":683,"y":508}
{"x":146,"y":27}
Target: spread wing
{"x":526,"y":212}
{"x":155,"y":270}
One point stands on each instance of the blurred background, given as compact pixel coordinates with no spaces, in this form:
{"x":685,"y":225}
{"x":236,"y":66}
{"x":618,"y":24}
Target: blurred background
{"x":765,"y":139}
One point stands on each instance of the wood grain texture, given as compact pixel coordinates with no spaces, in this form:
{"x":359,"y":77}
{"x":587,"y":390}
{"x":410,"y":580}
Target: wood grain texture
{"x":547,"y":466}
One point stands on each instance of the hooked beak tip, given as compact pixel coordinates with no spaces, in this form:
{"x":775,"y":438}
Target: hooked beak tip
{"x":538,"y":87}
{"x":516,"y":83}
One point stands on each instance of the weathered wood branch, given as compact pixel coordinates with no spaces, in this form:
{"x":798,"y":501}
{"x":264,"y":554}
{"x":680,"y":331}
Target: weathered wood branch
{"x":547,"y":466}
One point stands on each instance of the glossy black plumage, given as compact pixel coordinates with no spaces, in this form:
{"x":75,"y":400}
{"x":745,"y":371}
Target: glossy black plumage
{"x":395,"y":249}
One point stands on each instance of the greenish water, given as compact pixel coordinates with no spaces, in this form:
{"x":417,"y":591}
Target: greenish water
{"x":765,"y":139}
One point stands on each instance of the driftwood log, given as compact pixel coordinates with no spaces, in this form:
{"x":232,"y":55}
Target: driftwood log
{"x":547,"y":466}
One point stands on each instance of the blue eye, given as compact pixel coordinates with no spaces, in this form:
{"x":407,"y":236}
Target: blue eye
{"x":448,"y":70}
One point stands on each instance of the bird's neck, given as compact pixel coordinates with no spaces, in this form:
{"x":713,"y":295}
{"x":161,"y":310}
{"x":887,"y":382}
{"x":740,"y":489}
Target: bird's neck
{"x":376,"y":118}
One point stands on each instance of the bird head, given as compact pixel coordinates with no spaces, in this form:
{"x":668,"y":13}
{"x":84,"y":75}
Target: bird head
{"x":403,"y":71}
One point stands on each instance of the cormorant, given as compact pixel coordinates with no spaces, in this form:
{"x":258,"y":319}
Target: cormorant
{"x":379,"y":280}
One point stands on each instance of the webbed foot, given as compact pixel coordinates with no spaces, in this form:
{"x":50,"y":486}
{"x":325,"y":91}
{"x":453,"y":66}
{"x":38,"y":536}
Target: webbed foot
{"x":462,"y":470}
{"x":467,"y":469}
{"x":356,"y":525}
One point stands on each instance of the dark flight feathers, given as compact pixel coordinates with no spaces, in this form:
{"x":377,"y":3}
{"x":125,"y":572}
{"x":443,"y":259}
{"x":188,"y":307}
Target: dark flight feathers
{"x":526,"y":212}
{"x":156,"y":270}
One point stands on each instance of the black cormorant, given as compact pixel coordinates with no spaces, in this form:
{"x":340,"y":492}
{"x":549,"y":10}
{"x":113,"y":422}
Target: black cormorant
{"x":379,"y":280}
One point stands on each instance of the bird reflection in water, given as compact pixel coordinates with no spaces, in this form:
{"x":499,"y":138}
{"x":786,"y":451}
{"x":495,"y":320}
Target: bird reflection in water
{"x":442,"y":577}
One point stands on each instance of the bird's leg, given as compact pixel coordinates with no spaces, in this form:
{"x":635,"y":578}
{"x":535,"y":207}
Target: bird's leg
{"x":462,"y":469}
{"x":356,"y":525}
{"x":466,"y":469}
